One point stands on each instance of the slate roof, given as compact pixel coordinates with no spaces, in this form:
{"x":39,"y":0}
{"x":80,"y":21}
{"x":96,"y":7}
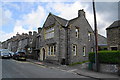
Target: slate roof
{"x":114,"y":24}
{"x":63,"y":21}
{"x":102,"y":40}
{"x":72,"y":20}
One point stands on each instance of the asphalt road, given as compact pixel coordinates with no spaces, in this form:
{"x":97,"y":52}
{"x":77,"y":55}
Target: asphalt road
{"x":23,"y":69}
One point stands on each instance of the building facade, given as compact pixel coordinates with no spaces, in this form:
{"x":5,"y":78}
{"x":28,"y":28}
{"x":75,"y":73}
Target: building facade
{"x":59,"y":41}
{"x":113,"y":36}
{"x":66,"y":41}
{"x":23,"y":42}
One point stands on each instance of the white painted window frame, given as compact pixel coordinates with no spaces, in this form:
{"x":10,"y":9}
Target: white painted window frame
{"x":84,"y":51}
{"x":74,"y":52}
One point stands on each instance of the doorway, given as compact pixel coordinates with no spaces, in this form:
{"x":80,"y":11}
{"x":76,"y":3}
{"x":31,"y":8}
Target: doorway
{"x":42,"y":54}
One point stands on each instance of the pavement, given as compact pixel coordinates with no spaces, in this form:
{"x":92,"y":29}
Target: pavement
{"x":77,"y":70}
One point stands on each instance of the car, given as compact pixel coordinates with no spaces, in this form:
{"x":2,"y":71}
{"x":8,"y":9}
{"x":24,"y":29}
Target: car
{"x":19,"y":55}
{"x":11,"y":53}
{"x":4,"y":54}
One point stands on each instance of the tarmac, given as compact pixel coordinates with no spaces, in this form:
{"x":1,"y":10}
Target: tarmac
{"x":77,"y":70}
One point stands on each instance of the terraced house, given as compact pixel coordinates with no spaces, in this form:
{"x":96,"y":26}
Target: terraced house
{"x":65,"y":41}
{"x":24,"y":42}
{"x":113,"y":36}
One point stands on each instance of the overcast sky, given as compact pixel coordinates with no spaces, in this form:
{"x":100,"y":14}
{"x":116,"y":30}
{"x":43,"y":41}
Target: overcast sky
{"x":19,"y":16}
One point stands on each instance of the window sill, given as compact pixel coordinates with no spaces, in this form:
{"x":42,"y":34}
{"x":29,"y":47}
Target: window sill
{"x":51,"y":55}
{"x":84,"y":55}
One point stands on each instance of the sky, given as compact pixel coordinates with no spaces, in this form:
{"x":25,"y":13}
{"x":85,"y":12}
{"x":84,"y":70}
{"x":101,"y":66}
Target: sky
{"x":23,"y":16}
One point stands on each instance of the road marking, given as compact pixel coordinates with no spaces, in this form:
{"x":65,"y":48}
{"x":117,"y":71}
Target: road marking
{"x":20,"y":61}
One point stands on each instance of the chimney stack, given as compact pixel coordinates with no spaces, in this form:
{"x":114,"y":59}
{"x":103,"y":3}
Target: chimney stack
{"x":22,"y":33}
{"x":17,"y":34}
{"x":81,"y":13}
{"x":34,"y":32}
{"x":30,"y":33}
{"x":39,"y":29}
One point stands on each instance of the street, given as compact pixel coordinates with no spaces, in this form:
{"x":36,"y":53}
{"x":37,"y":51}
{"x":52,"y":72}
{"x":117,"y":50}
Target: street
{"x":23,"y":69}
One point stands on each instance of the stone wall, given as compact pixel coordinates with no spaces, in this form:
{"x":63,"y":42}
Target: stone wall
{"x":107,"y":68}
{"x":111,"y":68}
{"x":113,"y":37}
{"x":82,"y":41}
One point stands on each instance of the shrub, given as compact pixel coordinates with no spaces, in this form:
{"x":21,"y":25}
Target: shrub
{"x":109,"y":57}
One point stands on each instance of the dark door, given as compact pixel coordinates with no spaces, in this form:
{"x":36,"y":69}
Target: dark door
{"x":43,"y":54}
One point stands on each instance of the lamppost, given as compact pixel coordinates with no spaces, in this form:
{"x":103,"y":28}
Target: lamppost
{"x":96,"y":39}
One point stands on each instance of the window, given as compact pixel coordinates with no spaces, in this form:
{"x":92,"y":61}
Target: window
{"x":74,"y":49}
{"x":77,"y":32}
{"x":113,"y":48}
{"x":52,"y":50}
{"x":84,"y":51}
{"x":89,"y":36}
{"x":92,"y":49}
{"x":49,"y":33}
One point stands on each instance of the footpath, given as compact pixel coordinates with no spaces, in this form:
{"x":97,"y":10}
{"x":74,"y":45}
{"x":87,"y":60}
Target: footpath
{"x":77,"y":70}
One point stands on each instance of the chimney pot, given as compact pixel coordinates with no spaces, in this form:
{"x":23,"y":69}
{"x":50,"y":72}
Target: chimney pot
{"x":81,"y":13}
{"x":39,"y":29}
{"x":30,"y":33}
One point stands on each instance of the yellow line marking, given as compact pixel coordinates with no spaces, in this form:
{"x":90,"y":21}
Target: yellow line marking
{"x":20,"y":61}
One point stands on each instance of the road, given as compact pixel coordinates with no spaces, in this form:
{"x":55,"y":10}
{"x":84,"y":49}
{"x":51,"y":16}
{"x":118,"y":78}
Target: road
{"x":23,"y":69}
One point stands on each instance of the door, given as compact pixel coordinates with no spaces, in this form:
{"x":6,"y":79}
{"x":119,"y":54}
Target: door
{"x":43,"y":54}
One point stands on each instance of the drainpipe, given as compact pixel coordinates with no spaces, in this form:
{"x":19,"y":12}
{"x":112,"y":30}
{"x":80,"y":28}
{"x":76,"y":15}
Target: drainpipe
{"x":67,"y":43}
{"x":67,"y":54}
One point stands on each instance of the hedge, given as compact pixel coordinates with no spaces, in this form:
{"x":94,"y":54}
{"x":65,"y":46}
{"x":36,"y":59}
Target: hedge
{"x":109,"y":57}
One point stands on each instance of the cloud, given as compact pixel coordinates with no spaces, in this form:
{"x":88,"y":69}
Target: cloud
{"x":67,"y":10}
{"x":4,"y":35}
{"x":11,"y":5}
{"x":28,"y":22}
{"x":106,"y":13}
{"x":31,"y":20}
{"x":0,"y":18}
{"x":58,"y":0}
{"x":6,"y":17}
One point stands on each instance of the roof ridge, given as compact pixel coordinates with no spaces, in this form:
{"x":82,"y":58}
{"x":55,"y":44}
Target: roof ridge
{"x":58,"y":17}
{"x":55,"y":17}
{"x":114,"y":24}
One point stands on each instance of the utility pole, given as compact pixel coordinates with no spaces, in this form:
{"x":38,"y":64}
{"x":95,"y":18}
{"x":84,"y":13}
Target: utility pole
{"x":96,"y":39}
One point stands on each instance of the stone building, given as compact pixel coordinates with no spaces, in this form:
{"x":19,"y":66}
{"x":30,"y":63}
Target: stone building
{"x":59,"y":41}
{"x":65,"y":41}
{"x":102,"y":42}
{"x":32,"y":45}
{"x":10,"y":44}
{"x":14,"y":46}
{"x":5,"y":44}
{"x":113,"y":36}
{"x":23,"y":42}
{"x":0,"y":45}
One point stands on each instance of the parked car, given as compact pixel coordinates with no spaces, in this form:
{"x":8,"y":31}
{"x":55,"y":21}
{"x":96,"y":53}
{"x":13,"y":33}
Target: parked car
{"x":11,"y":53}
{"x":19,"y":56}
{"x":4,"y":54}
